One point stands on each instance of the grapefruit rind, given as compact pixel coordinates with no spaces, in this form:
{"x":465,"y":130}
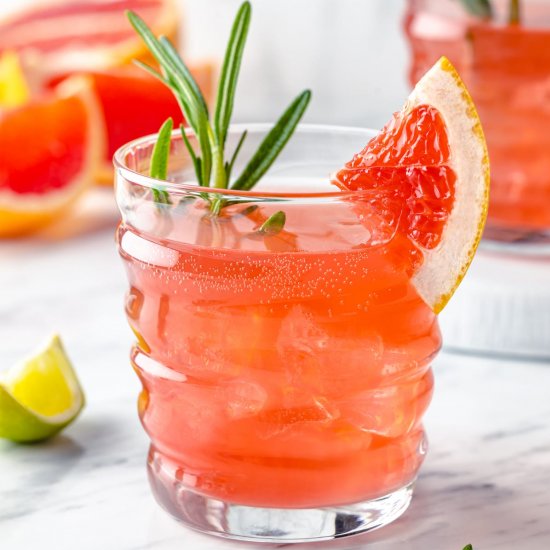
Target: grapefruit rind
{"x":84,"y":57}
{"x":444,"y":267}
{"x":24,"y":213}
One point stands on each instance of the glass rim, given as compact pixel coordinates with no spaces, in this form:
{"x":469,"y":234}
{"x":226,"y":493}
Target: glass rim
{"x":178,"y":187}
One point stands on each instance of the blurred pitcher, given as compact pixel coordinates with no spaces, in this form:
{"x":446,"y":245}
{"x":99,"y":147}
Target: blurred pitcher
{"x":502,"y":49}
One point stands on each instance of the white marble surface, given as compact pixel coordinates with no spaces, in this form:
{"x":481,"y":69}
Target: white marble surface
{"x":485,"y":480}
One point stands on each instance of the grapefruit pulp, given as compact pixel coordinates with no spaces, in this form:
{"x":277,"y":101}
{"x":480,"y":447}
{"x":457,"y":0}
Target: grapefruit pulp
{"x":428,"y":170}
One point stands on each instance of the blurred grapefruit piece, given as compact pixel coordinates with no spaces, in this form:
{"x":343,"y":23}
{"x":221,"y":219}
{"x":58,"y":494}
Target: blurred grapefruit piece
{"x":135,"y":104}
{"x":14,"y":90}
{"x":63,"y":36}
{"x":49,"y":151}
{"x":428,"y":169}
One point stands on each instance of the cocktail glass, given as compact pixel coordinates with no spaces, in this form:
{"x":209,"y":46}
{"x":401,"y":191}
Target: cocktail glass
{"x":285,"y":358}
{"x":507,"y":70}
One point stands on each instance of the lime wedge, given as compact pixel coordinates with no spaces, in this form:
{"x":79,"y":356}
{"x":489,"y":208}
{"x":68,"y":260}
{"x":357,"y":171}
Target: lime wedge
{"x":40,"y":396}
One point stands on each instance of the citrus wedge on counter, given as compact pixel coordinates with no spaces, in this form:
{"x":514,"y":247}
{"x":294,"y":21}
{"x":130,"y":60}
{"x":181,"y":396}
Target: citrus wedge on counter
{"x":61,"y":37}
{"x":49,"y":151}
{"x":14,"y":90}
{"x":40,"y":396}
{"x":428,"y":169}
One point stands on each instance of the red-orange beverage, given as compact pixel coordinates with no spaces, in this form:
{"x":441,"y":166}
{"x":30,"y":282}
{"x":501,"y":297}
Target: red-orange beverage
{"x":281,"y":369}
{"x":506,"y":68}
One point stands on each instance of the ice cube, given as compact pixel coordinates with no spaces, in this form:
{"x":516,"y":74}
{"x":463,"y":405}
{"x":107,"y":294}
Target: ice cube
{"x":329,"y":358}
{"x":243,"y":398}
{"x":300,"y":345}
{"x":300,"y":411}
{"x":390,"y":411}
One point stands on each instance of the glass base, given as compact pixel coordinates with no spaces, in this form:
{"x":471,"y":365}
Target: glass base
{"x":247,"y":523}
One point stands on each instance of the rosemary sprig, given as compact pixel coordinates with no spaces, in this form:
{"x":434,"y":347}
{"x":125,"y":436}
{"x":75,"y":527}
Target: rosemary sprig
{"x":478,"y":8}
{"x":273,"y":225}
{"x":159,"y":160}
{"x":229,"y":165}
{"x":230,"y":72}
{"x":273,"y":143}
{"x":514,"y":15}
{"x":212,"y":169}
{"x":161,"y":151}
{"x":184,"y":87}
{"x":484,"y":10}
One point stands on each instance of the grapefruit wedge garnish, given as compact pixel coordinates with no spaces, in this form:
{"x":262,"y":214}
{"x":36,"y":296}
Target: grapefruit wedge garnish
{"x":65,"y":36}
{"x":428,"y":171}
{"x":49,"y":151}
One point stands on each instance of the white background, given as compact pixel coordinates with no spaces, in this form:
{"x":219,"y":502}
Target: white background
{"x":350,"y":53}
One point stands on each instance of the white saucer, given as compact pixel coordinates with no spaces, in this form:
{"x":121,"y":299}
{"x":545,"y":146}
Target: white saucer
{"x":501,"y":308}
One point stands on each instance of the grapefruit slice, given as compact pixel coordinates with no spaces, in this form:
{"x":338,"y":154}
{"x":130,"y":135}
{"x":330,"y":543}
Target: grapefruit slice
{"x":428,"y":169}
{"x":84,"y":35}
{"x":49,"y":151}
